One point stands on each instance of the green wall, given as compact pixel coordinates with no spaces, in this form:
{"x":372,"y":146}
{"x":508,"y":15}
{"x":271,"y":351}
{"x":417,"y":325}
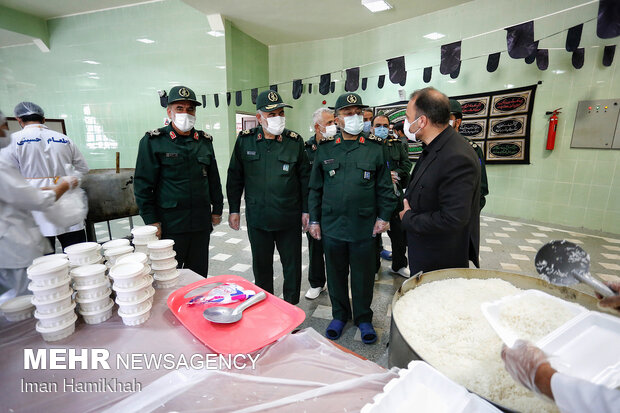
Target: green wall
{"x":574,"y":187}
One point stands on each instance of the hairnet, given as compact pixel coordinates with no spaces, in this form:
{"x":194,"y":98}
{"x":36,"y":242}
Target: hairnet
{"x":27,"y":108}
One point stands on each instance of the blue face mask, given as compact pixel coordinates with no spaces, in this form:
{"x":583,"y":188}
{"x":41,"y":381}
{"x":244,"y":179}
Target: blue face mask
{"x":381,"y":132}
{"x":367,"y":126}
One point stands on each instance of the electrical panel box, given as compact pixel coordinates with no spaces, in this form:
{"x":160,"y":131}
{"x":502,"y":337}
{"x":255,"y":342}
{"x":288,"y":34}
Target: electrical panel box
{"x":597,"y":124}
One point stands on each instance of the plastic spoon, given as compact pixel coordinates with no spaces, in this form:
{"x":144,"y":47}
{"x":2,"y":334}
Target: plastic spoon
{"x":226,"y":315}
{"x":564,"y":263}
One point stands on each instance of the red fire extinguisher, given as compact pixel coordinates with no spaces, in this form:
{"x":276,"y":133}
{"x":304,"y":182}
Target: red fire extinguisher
{"x":553,"y":127}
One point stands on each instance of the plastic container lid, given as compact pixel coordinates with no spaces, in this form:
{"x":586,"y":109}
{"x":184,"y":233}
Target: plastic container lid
{"x":115,"y":243}
{"x":88,"y":270}
{"x":47,"y":267}
{"x":59,"y":283}
{"x":36,"y":301}
{"x":40,"y":316}
{"x":144,"y":231}
{"x":105,"y":282}
{"x":132,"y":315}
{"x":126,"y":270}
{"x":49,"y":258}
{"x":81,"y":300}
{"x":44,"y":330}
{"x":20,"y":303}
{"x":113,"y":252}
{"x":82,"y":248}
{"x":133,"y":257}
{"x":159,"y":267}
{"x":160,"y":244}
{"x":145,"y":283}
{"x":102,"y":310}
{"x":172,"y":254}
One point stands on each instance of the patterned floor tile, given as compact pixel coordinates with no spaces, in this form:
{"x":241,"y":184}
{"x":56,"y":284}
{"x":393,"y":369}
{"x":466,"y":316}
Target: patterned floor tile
{"x":520,"y":257}
{"x":539,"y":234}
{"x":218,"y":234}
{"x":574,"y":240}
{"x":221,"y":257}
{"x":611,"y":256}
{"x":611,"y":248}
{"x":509,"y":229}
{"x":322,"y":311}
{"x":527,"y":248}
{"x":484,"y":224}
{"x":610,"y":266}
{"x":509,"y":266}
{"x":533,"y":241}
{"x":484,"y":248}
{"x":492,"y":241}
{"x":233,"y":240}
{"x":501,"y":235}
{"x":240,"y":267}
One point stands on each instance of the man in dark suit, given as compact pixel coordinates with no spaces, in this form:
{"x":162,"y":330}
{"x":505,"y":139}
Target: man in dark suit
{"x":441,"y":212}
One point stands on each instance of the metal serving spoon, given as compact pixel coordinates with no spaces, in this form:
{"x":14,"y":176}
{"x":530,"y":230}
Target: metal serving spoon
{"x":561,"y":262}
{"x":227,"y":315}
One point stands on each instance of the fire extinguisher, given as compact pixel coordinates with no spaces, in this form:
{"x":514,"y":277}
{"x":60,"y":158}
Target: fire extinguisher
{"x":553,"y":127}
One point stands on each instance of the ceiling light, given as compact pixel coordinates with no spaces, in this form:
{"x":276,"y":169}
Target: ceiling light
{"x":147,"y":41}
{"x":215,"y":33}
{"x":558,"y":72}
{"x":91,"y":62}
{"x":434,"y":36}
{"x":220,"y":67}
{"x":376,"y":5}
{"x":451,"y":81}
{"x":93,"y":77}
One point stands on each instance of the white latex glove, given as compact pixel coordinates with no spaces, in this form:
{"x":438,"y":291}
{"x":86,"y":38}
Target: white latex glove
{"x":522,"y":360}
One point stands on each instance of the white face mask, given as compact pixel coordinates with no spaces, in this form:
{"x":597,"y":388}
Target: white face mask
{"x":451,"y":122}
{"x":184,"y":121}
{"x":353,"y":124}
{"x":275,"y":125}
{"x":329,"y":131}
{"x":407,"y":126}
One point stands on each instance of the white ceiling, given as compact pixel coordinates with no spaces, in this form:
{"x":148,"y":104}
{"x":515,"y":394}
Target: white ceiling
{"x":269,"y":21}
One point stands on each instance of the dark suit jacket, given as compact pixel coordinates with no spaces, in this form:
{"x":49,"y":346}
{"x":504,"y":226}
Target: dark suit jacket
{"x":443,"y":225}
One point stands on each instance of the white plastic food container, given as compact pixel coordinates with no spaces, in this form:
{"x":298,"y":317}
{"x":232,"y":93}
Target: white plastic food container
{"x":51,"y":292}
{"x":137,"y":318}
{"x":18,"y":308}
{"x":88,"y":274}
{"x":130,"y":294}
{"x":141,"y":248}
{"x":98,"y":316}
{"x":164,"y":264}
{"x":93,"y":291}
{"x":140,"y":257}
{"x":115,"y":253}
{"x":48,"y":273}
{"x":169,"y":256}
{"x":55,"y":319}
{"x":93,"y":304}
{"x":165,"y":273}
{"x":50,"y":257}
{"x":139,"y":305}
{"x":135,"y":296}
{"x":58,"y":332}
{"x":160,"y":249}
{"x":54,"y":305}
{"x":127,"y":275}
{"x":144,"y":234}
{"x":83,"y":253}
{"x":166,"y":283}
{"x":115,"y":243}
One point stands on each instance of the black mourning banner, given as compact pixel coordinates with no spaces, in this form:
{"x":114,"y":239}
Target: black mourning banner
{"x":381,"y":81}
{"x":520,"y":40}
{"x":542,"y":59}
{"x":326,"y":80}
{"x":216,"y":100}
{"x":228,"y":98}
{"x":608,"y":21}
{"x":310,"y":88}
{"x":353,"y":80}
{"x":274,"y":88}
{"x":450,"y":58}
{"x":578,"y":57}
{"x":608,"y":55}
{"x":428,"y":73}
{"x":499,"y":122}
{"x":364,"y":83}
{"x":456,"y":73}
{"x":204,"y":101}
{"x":332,"y":87}
{"x":493,"y":62}
{"x":238,"y":98}
{"x":254,"y":95}
{"x":396,"y":69}
{"x":573,"y":38}
{"x":298,"y":88}
{"x":531,"y":58}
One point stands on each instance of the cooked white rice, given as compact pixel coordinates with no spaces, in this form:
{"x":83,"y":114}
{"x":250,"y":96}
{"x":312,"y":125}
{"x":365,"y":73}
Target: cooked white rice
{"x":443,"y":322}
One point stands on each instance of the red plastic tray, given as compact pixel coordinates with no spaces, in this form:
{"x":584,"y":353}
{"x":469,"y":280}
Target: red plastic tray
{"x":261,"y":324}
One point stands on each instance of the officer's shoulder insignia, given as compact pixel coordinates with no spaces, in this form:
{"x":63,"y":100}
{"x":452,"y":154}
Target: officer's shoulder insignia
{"x":205,"y":135}
{"x":373,"y":138}
{"x":293,"y":135}
{"x":325,"y":140}
{"x":472,"y":143}
{"x":247,"y":132}
{"x":307,"y":144}
{"x":154,"y":132}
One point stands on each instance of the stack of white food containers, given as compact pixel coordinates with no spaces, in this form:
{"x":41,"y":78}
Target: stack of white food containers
{"x":84,"y":253}
{"x":142,"y":236}
{"x":163,"y":263}
{"x":50,"y":283}
{"x":134,"y":291}
{"x":18,"y":308}
{"x":115,"y":243}
{"x":93,"y":293}
{"x":134,"y":257}
{"x":114,"y":254}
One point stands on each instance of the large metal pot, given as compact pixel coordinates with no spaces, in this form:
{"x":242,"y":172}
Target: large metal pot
{"x":400,"y":352}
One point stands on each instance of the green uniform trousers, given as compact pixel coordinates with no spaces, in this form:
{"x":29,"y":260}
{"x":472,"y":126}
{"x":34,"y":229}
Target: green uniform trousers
{"x":316,"y":262}
{"x":288,"y":242}
{"x":192,"y":250}
{"x":359,"y":257}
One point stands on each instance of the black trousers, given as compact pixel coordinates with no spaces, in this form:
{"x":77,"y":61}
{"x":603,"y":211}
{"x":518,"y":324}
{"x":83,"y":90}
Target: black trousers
{"x":68,"y":238}
{"x":192,"y":250}
{"x":288,"y":242}
{"x":316,"y":266}
{"x":359,"y":257}
{"x":399,"y":243}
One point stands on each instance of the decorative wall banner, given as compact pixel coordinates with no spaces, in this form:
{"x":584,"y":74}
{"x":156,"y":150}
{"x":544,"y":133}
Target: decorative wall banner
{"x":500,"y":123}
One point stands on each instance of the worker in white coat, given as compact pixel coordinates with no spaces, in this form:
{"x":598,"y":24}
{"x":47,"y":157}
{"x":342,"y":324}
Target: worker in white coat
{"x":42,"y":156}
{"x":20,"y":238}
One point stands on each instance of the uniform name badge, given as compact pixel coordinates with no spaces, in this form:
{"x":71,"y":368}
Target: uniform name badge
{"x":366,"y":175}
{"x":332,"y":172}
{"x":285,"y":167}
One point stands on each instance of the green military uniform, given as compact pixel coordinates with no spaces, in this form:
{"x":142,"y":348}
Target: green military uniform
{"x":397,"y":161}
{"x":274,"y":174}
{"x":316,"y":265}
{"x":177,"y":184}
{"x":350,"y":188}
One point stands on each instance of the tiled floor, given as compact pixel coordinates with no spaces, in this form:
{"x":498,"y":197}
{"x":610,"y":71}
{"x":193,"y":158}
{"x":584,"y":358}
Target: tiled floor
{"x":505,"y":245}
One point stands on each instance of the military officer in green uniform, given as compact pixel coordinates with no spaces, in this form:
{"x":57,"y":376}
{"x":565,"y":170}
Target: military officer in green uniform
{"x":269,"y":162}
{"x":456,"y":117}
{"x":400,"y":166}
{"x":351,"y":201}
{"x":324,"y":127}
{"x":177,"y":184}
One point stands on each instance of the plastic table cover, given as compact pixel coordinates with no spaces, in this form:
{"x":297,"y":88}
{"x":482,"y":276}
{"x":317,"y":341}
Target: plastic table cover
{"x":301,"y":372}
